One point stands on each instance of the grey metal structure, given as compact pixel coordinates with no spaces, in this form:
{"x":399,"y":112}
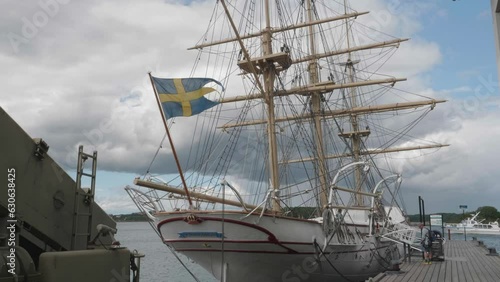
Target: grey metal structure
{"x":54,"y":218}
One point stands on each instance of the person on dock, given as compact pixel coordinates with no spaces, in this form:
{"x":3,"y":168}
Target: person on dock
{"x":426,"y":243}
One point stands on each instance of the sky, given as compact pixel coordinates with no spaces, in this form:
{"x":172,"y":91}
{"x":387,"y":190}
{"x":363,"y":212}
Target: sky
{"x":75,"y":72}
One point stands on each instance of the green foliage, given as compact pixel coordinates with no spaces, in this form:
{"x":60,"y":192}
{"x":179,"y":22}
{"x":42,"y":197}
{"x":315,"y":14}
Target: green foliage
{"x":488,"y":213}
{"x":129,"y":217}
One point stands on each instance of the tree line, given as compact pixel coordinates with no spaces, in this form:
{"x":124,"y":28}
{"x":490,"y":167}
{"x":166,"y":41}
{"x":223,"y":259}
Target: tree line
{"x":487,"y":214}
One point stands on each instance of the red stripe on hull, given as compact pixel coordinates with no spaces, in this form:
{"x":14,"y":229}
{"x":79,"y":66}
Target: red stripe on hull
{"x":271,"y":237}
{"x":242,"y":251}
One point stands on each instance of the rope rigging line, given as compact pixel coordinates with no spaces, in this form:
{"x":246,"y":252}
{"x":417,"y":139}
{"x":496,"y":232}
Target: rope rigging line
{"x":318,"y":248}
{"x":154,"y":157}
{"x":173,"y":252}
{"x":300,"y":130}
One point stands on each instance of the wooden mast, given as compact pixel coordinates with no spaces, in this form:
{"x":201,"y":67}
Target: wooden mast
{"x":316,"y":113}
{"x":356,"y":136}
{"x":372,"y":152}
{"x":346,"y":112}
{"x":199,"y":196}
{"x":269,"y":76}
{"x":264,"y":69}
{"x":308,"y":89}
{"x":268,"y":72}
{"x":171,"y":142}
{"x":278,"y":30}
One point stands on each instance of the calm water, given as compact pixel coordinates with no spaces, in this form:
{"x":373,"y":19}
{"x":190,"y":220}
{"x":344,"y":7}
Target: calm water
{"x":160,"y":265}
{"x":491,"y":241}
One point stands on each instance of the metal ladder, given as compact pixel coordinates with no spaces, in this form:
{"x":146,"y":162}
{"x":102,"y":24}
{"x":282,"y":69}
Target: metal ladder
{"x":83,"y":203}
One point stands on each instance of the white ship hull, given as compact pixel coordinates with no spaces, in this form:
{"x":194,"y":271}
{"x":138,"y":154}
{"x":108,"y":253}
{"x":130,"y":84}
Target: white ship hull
{"x":481,"y":231}
{"x":274,"y":248}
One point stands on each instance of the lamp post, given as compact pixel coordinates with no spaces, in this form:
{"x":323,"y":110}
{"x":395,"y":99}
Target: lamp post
{"x":421,"y":209}
{"x":464,"y":207}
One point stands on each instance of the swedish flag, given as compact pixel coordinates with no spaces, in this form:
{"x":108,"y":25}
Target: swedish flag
{"x":184,"y":96}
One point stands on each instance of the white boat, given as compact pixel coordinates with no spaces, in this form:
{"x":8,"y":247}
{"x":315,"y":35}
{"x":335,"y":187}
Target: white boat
{"x":285,"y":182}
{"x":473,"y":226}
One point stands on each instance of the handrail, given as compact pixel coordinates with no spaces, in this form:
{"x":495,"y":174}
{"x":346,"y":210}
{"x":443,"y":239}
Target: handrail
{"x":135,"y":194}
{"x":237,"y":194}
{"x":259,"y":205}
{"x":373,"y":199}
{"x":330,"y":196}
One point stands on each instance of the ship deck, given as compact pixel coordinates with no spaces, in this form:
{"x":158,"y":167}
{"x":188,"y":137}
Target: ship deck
{"x":465,"y":261}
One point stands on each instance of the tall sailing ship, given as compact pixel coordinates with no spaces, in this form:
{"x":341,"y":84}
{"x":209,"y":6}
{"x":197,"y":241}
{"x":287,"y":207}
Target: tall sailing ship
{"x":289,"y":175}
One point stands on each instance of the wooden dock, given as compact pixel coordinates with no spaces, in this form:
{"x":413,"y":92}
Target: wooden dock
{"x":465,"y":261}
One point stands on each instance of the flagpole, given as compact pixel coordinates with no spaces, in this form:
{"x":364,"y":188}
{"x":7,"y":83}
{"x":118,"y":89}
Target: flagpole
{"x":171,"y":142}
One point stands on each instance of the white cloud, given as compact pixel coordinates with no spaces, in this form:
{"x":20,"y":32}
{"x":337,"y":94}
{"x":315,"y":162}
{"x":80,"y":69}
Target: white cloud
{"x":82,"y":78}
{"x":415,"y":58}
{"x":466,"y":171}
{"x":68,"y":83}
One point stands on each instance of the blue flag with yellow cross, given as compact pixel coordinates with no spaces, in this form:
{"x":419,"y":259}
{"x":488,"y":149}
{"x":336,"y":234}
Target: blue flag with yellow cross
{"x":184,"y":96}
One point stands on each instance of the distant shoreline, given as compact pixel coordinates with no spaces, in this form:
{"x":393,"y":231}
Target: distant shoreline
{"x":296,"y":212}
{"x":133,"y":217}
